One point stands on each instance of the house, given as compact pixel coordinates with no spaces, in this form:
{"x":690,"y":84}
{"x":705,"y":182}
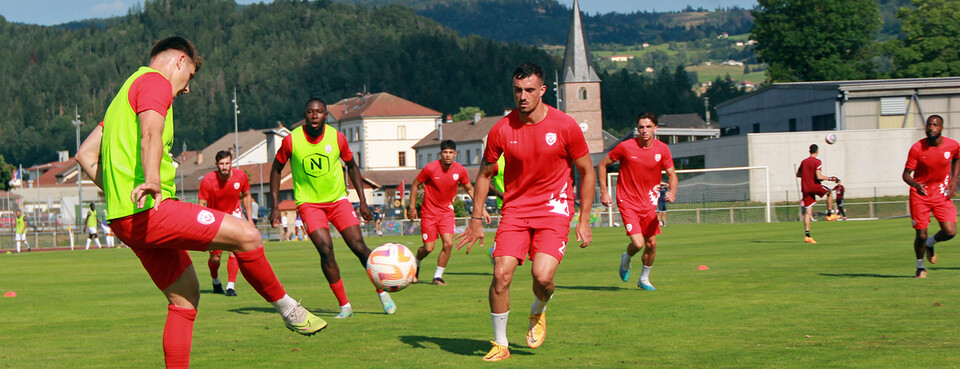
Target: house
{"x":52,"y":188}
{"x":619,"y":58}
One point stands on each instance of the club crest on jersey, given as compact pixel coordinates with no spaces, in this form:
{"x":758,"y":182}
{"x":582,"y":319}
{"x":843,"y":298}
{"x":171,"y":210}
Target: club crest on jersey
{"x":456,"y":176}
{"x":205,"y":217}
{"x":629,"y":227}
{"x":656,"y":157}
{"x":946,"y":155}
{"x":328,"y":148}
{"x":236,"y":185}
{"x":425,"y":236}
{"x":551,"y":138}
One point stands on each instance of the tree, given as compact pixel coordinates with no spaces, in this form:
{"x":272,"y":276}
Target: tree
{"x":6,"y":174}
{"x":467,"y":112}
{"x":811,"y":40}
{"x":931,"y":47}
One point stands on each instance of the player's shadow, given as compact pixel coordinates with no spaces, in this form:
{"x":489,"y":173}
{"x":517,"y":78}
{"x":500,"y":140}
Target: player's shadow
{"x":459,"y":346}
{"x":864,"y":275}
{"x":270,"y":310}
{"x":766,"y":241}
{"x":943,"y":268}
{"x":592,"y":288}
{"x":468,"y":273}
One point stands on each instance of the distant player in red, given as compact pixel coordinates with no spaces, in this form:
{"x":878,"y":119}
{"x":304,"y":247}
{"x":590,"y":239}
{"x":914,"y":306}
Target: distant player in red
{"x":542,"y":145}
{"x":931,"y":171}
{"x":810,"y":177}
{"x":440,"y":180}
{"x":314,"y":151}
{"x":228,"y":190}
{"x":838,"y":192}
{"x":642,"y":160}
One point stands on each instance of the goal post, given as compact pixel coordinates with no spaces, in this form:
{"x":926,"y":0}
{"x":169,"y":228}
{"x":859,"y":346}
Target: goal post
{"x":713,"y":195}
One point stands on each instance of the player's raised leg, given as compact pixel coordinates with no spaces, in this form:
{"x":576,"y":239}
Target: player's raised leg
{"x":947,"y":231}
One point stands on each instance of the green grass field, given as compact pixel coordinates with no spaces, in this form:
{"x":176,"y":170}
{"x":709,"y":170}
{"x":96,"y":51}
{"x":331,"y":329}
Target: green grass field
{"x":767,"y":301}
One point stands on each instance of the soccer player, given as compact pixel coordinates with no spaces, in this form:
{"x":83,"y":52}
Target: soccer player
{"x":20,"y":230}
{"x":440,"y":180}
{"x":542,"y":145}
{"x":298,"y":228}
{"x":92,"y":227}
{"x":838,"y":191}
{"x":931,"y":171}
{"x":314,"y":151}
{"x":662,"y":204}
{"x":377,"y":219}
{"x":285,"y":226}
{"x":810,"y":177}
{"x":108,"y":234}
{"x":226,"y":189}
{"x":639,"y":192}
{"x":128,"y":156}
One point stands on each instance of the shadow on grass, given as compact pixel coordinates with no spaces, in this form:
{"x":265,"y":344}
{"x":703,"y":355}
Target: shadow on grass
{"x":459,"y":346}
{"x":864,"y":275}
{"x":462,"y":273}
{"x":592,"y":288}
{"x":943,"y":268}
{"x":766,"y":241}
{"x":319,"y":312}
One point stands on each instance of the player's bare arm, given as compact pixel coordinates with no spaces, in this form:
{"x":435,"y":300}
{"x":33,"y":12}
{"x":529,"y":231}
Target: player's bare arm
{"x":822,"y":177}
{"x":474,"y":230}
{"x":908,"y":178}
{"x":353,"y":171}
{"x":588,"y":182}
{"x":247,"y":201}
{"x":469,"y":189}
{"x":605,"y":198}
{"x":412,"y":204}
{"x":89,"y":156}
{"x":674,"y":182}
{"x":151,"y":146}
{"x":275,"y":173}
{"x":202,"y":202}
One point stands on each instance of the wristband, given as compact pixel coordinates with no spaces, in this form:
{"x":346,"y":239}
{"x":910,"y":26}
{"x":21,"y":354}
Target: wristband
{"x":476,"y":218}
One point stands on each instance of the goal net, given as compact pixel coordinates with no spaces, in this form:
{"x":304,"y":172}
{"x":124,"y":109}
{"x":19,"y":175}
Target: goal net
{"x":715,"y":195}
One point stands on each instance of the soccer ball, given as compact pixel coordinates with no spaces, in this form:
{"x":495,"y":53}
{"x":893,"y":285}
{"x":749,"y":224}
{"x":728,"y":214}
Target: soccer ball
{"x":391,"y":267}
{"x":831,"y":138}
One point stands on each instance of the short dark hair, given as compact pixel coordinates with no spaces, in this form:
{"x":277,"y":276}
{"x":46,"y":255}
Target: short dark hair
{"x":648,"y":115}
{"x":528,"y":69}
{"x":934,"y":116}
{"x":224,"y":154}
{"x":180,"y":44}
{"x":92,"y":205}
{"x":448,"y":144}
{"x":814,"y":148}
{"x":316,"y":99}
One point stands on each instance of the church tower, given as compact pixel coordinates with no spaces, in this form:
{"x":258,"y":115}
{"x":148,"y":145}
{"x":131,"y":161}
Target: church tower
{"x":580,"y":85}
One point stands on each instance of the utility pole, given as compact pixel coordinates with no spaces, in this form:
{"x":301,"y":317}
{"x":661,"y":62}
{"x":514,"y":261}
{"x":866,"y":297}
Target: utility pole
{"x":236,"y":131}
{"x":706,"y":108}
{"x":76,"y":123}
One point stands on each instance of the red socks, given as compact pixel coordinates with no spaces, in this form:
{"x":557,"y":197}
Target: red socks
{"x":178,"y":336}
{"x":232,"y":268}
{"x":257,"y":271}
{"x":214,"y":268}
{"x":340,"y":292}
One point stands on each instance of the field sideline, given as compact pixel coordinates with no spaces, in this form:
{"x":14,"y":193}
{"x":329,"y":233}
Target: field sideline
{"x":767,"y":301}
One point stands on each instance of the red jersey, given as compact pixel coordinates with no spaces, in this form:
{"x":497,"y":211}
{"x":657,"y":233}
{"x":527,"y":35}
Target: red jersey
{"x":838,"y":189}
{"x":224,"y":195}
{"x":539,"y":158}
{"x":931,"y":164}
{"x":151,"y":91}
{"x":808,"y":174}
{"x":638,"y":184}
{"x":440,"y":187}
{"x":286,"y":146}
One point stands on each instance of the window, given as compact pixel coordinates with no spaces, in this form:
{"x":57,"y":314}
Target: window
{"x":824,"y":122}
{"x":793,"y":124}
{"x":429,"y":159}
{"x":477,"y":153}
{"x":356,"y":134}
{"x":402,"y":158}
{"x":420,"y":162}
{"x":468,"y":158}
{"x":401,"y":132}
{"x":729,"y":131}
{"x":756,"y":128}
{"x":582,"y":94}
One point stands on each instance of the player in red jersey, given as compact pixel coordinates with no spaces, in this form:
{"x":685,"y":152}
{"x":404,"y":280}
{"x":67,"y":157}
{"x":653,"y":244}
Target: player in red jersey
{"x":931,"y":172}
{"x":228,"y":190}
{"x":810,"y":177}
{"x":128,"y":157}
{"x":542,"y":145}
{"x":315,"y":151}
{"x":642,"y":160}
{"x":838,"y":192}
{"x":440,"y":180}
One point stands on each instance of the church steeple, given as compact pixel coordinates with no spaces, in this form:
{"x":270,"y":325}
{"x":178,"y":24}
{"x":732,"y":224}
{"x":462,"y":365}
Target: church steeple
{"x":577,"y":62}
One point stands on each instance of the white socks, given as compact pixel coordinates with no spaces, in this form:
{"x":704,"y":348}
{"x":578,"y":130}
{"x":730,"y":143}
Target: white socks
{"x":920,"y":264}
{"x":285,"y":305}
{"x":18,"y":246}
{"x":539,"y":305}
{"x":645,"y":274}
{"x":99,"y":246}
{"x":500,"y":327}
{"x":438,"y":273}
{"x":931,"y":241}
{"x":229,"y":285}
{"x":216,"y":281}
{"x":88,"y":245}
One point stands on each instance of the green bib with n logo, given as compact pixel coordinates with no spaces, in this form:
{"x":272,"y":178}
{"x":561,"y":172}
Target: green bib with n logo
{"x":317,"y":175}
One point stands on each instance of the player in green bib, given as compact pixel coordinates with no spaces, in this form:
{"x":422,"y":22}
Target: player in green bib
{"x":92,"y":227}
{"x":128,"y":155}
{"x":315,"y":151}
{"x":20,"y":230}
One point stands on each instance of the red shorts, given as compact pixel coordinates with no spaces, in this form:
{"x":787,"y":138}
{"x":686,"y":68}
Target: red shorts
{"x":161,"y":238}
{"x":810,"y":198}
{"x":921,"y":207}
{"x":432,"y":225}
{"x":524,"y":237}
{"x":320,"y":215}
{"x":643,"y":222}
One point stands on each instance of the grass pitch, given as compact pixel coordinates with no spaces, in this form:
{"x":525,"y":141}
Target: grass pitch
{"x":767,"y":301}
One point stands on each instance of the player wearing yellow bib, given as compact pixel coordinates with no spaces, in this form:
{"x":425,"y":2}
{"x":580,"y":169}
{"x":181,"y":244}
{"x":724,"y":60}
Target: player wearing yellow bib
{"x":92,"y":227}
{"x":20,"y":231}
{"x":314,"y":151}
{"x":129,"y":157}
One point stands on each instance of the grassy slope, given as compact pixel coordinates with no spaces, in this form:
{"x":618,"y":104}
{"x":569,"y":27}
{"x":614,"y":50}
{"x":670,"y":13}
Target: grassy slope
{"x":768,"y":300}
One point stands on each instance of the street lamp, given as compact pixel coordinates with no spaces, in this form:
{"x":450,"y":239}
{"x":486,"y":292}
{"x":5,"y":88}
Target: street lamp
{"x":78,"y":123}
{"x":236,"y":132}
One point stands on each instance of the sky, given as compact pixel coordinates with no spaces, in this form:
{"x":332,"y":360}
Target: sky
{"x":50,"y":12}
